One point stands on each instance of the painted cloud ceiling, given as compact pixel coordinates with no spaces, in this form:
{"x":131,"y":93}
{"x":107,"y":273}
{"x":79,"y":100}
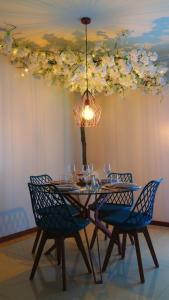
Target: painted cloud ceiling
{"x":45,"y":21}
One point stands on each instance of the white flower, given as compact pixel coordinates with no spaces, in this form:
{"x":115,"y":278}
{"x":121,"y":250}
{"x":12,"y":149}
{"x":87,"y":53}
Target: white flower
{"x":151,"y":69}
{"x":162,"y":70}
{"x":108,"y":72}
{"x":161,"y":81}
{"x":153,"y":56}
{"x":134,"y":55}
{"x":125,"y":67}
{"x":108,"y":60}
{"x":7,"y":41}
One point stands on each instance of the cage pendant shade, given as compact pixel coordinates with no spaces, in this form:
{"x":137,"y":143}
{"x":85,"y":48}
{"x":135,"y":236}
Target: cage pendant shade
{"x":87,"y":113}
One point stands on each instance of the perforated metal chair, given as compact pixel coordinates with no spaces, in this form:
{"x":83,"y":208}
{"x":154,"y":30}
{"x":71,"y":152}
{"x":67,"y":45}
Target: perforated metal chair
{"x":39,"y":179}
{"x":133,"y":222}
{"x":57,"y":224}
{"x":120,"y":200}
{"x":114,"y":202}
{"x":45,"y":179}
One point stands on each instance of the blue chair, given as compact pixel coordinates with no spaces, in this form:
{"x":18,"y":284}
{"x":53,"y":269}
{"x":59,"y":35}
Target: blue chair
{"x":58,"y":224}
{"x":114,"y":202}
{"x":39,"y":179}
{"x":133,"y":222}
{"x":45,"y":179}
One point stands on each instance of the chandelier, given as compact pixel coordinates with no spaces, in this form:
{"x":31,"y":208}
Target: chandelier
{"x":87,"y":113}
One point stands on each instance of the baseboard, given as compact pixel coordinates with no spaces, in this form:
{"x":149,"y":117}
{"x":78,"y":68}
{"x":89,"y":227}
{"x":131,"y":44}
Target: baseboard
{"x":17,"y":235}
{"x":34,"y":229}
{"x":160,"y":223}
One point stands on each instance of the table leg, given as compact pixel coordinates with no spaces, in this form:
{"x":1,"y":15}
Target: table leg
{"x":91,"y":261}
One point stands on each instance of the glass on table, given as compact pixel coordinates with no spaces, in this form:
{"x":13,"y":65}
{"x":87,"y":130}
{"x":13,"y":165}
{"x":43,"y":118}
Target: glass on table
{"x":107,"y":169}
{"x":87,"y":180}
{"x":87,"y":169}
{"x":94,"y":182}
{"x":90,"y":169}
{"x":71,"y":168}
{"x":71,"y":171}
{"x":114,"y":178}
{"x":64,"y":179}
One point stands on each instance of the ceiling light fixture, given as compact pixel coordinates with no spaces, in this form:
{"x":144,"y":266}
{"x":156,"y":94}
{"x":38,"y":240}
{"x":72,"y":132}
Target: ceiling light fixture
{"x":87,"y":113}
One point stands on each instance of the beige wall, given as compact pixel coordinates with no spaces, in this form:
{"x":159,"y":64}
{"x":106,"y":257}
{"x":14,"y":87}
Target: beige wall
{"x":35,"y":137}
{"x":133,"y":135}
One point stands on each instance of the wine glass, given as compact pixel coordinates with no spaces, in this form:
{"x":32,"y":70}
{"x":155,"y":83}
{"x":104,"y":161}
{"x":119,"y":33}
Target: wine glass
{"x":114,"y":178}
{"x":107,"y":169}
{"x":89,"y":169}
{"x":71,"y":171}
{"x":87,"y":180}
{"x":118,"y":178}
{"x":71,"y":168}
{"x":85,"y":169}
{"x":63,"y":179}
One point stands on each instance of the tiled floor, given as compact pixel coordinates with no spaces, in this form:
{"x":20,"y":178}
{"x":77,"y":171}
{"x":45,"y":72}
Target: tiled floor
{"x":121,"y":281}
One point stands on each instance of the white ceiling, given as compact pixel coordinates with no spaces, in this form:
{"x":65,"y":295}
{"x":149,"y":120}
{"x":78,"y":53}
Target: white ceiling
{"x":41,"y":20}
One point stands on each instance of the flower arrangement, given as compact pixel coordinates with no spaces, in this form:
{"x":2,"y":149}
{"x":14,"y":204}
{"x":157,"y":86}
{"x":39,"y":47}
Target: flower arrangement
{"x":109,"y":71}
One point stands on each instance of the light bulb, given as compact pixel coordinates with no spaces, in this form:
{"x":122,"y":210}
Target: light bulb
{"x":22,"y":74}
{"x":26,"y":70}
{"x":15,"y":50}
{"x":88,"y":113}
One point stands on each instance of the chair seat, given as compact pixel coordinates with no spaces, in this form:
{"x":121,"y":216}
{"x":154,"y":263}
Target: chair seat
{"x":108,"y":208}
{"x":119,"y":218}
{"x":64,"y":230}
{"x":74,"y":210}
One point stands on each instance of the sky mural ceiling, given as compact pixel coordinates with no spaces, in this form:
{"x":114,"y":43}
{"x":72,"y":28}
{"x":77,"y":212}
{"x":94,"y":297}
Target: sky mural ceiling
{"x":45,"y":22}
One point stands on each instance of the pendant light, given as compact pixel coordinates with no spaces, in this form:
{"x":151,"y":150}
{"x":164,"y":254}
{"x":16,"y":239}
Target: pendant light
{"x":87,"y":113}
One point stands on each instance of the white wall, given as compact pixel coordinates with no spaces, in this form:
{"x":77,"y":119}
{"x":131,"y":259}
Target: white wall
{"x":35,"y":137}
{"x":133,"y":135}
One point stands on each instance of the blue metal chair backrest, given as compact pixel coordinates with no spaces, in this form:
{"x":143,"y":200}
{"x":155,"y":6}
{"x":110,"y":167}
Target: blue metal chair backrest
{"x":125,"y":198}
{"x":123,"y":177}
{"x":40,"y":179}
{"x":58,"y":220}
{"x":142,"y":212}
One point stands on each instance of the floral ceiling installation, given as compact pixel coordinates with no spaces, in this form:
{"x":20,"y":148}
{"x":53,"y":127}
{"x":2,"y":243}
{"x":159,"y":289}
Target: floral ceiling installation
{"x":109,"y":71}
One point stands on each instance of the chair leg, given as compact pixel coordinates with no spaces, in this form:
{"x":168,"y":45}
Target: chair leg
{"x":118,"y":244}
{"x":59,"y":250}
{"x":150,"y":245}
{"x":131,"y":239}
{"x":90,"y":255}
{"x":124,"y":245}
{"x":53,"y":247}
{"x":105,"y":236}
{"x":93,"y":237}
{"x":63,"y":264}
{"x":39,"y":231}
{"x":138,"y":253}
{"x":38,"y":255}
{"x":109,"y":249}
{"x":82,"y":250}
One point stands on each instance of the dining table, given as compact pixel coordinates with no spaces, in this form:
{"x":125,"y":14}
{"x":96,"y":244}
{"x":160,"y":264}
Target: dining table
{"x":82,"y":196}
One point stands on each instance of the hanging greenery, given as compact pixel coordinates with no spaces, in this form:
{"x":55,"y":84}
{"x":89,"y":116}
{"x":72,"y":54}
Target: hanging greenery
{"x":109,"y":71}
